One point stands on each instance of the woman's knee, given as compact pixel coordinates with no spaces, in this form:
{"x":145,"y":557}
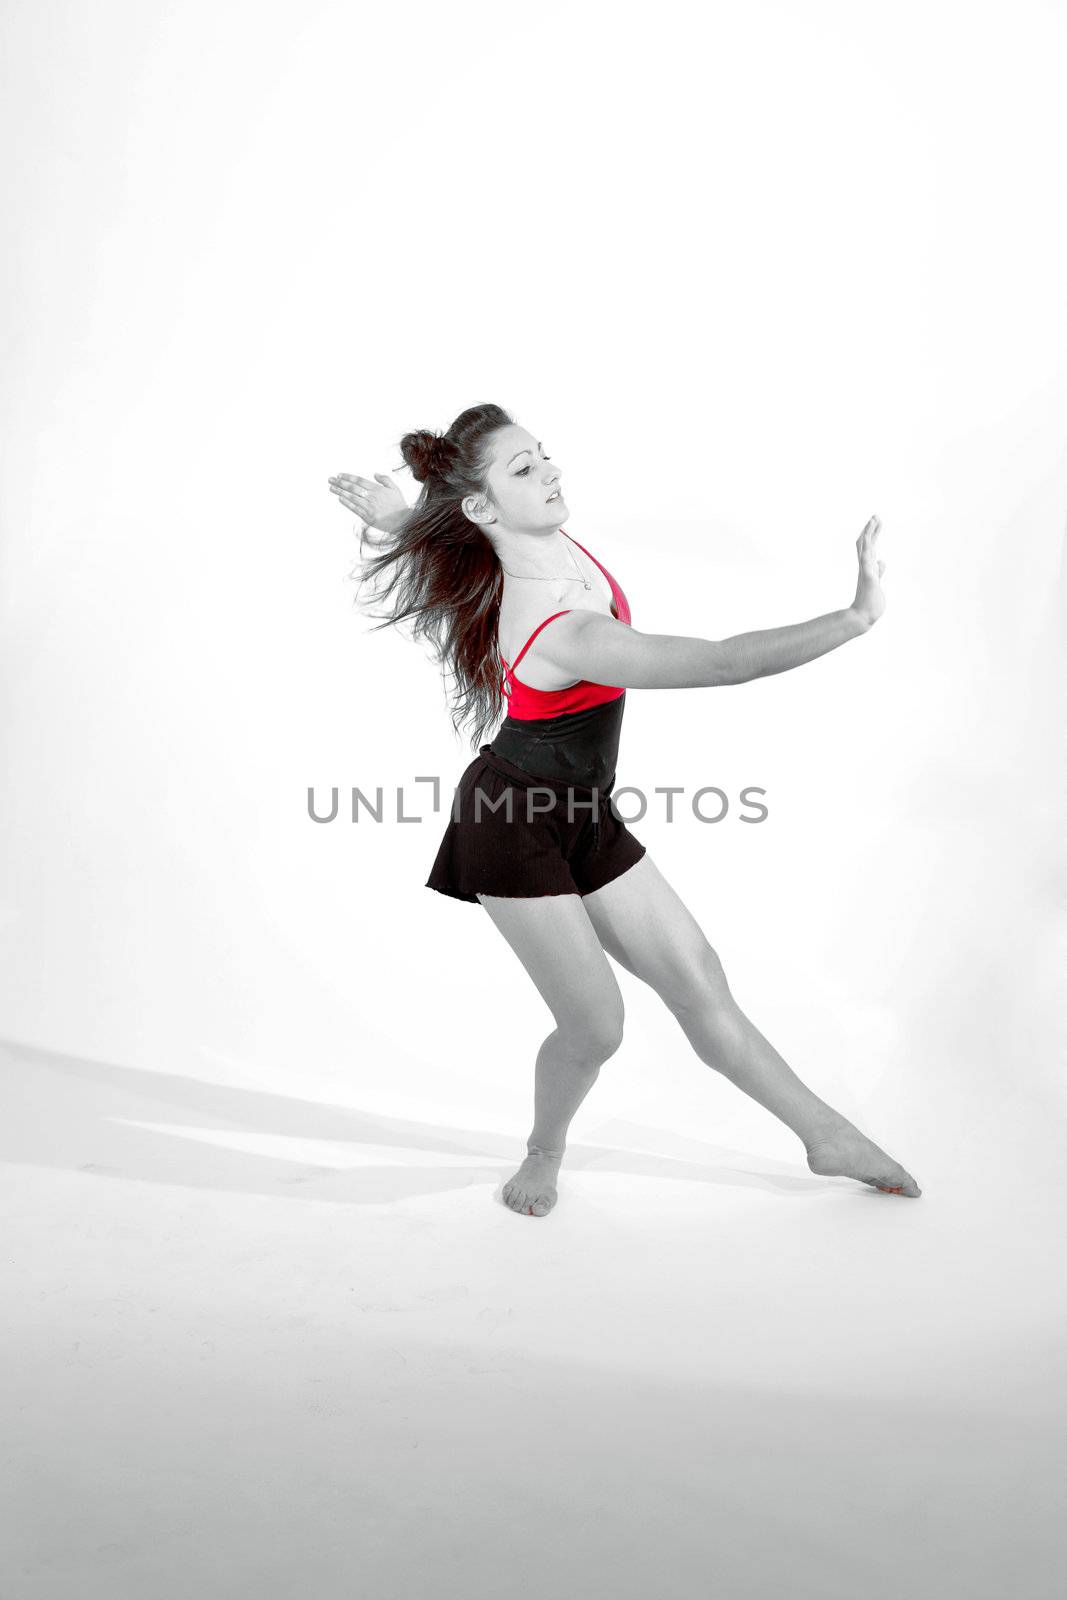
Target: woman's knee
{"x":698,"y":983}
{"x":597,"y":1032}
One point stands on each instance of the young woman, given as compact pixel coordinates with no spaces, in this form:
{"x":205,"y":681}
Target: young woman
{"x":484,"y":567}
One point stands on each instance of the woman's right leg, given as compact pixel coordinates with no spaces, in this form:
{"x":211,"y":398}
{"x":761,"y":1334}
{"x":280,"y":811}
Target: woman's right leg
{"x":559,"y":947}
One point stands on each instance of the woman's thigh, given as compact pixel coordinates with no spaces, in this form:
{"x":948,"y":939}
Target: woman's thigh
{"x":645,"y":925}
{"x":559,"y":947}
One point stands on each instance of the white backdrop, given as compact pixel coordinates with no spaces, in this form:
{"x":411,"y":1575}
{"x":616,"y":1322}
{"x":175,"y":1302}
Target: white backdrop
{"x":752,"y":274}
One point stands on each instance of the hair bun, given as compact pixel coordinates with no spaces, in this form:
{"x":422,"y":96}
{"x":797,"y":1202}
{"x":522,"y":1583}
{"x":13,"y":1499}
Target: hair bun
{"x":426,"y":453}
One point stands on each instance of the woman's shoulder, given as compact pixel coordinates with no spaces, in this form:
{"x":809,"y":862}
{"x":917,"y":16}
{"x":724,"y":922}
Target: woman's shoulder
{"x":519,"y":619}
{"x":521,"y":615}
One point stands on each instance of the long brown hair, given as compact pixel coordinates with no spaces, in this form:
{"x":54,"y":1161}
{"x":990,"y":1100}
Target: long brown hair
{"x":443,"y":569}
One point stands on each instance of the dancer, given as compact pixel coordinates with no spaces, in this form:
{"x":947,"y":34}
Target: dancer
{"x":484,"y":567}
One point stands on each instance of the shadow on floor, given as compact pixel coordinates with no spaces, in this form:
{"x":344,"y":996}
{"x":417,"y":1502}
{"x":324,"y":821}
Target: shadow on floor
{"x":158,"y":1127}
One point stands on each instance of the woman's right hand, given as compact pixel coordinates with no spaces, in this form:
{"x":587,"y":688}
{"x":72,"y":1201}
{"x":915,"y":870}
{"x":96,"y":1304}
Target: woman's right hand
{"x":378,"y":505}
{"x":870,"y":601}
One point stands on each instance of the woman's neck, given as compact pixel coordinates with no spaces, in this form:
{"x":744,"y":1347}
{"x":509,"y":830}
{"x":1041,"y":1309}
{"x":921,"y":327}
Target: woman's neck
{"x":535,"y":555}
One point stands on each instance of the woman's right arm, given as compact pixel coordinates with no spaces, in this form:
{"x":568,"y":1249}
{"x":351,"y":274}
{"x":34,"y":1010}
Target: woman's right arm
{"x":377,"y":505}
{"x":589,"y":645}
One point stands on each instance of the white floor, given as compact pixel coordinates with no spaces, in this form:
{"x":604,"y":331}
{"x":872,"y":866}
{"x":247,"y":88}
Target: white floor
{"x":258,"y":1346}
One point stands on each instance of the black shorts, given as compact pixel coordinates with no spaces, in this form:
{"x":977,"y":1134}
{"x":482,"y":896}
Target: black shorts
{"x":518,"y":835}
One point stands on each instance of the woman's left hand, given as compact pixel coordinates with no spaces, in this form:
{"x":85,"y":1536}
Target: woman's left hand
{"x":379,"y":505}
{"x":870,"y":600}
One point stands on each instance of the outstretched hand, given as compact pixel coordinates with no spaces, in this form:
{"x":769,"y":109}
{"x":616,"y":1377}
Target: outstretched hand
{"x":378,"y":505}
{"x":870,"y":601}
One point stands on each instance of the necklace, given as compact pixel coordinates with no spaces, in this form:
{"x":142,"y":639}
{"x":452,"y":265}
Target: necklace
{"x":561,"y":579}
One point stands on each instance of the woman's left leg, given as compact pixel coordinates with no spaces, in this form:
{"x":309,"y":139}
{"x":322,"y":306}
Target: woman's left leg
{"x":645,"y":926}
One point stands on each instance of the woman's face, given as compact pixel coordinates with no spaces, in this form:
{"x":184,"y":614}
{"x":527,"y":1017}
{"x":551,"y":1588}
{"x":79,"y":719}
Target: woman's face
{"x":523,"y":481}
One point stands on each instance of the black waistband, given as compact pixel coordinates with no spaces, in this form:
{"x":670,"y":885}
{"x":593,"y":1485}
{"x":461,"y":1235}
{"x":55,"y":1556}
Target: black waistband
{"x":534,"y":780}
{"x":579,"y":749}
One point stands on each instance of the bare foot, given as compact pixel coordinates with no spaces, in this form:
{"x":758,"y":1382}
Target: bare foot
{"x":533,"y":1188}
{"x":841,"y":1150}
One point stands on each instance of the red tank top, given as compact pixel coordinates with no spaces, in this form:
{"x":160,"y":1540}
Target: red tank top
{"x":525,"y":702}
